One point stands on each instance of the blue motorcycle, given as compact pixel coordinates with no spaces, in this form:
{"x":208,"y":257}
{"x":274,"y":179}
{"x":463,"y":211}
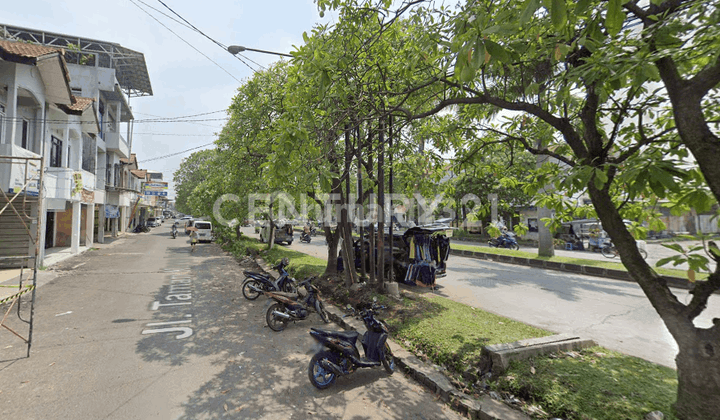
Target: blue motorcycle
{"x":256,"y":284}
{"x":506,"y":240}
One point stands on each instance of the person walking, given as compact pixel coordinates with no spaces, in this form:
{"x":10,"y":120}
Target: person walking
{"x":193,"y":239}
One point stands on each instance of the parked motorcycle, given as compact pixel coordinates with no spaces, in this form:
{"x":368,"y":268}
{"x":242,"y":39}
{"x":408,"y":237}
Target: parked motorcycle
{"x":141,"y":228}
{"x":295,"y":306}
{"x":505,"y":240}
{"x":304,"y":237}
{"x":340,"y":356}
{"x":609,"y":251}
{"x":258,"y":283}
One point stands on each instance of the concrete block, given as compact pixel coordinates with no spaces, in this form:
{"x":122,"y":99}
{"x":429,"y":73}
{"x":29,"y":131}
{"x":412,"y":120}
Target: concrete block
{"x":502,"y":354}
{"x":594,"y":271}
{"x":573,"y":268}
{"x":496,"y":410}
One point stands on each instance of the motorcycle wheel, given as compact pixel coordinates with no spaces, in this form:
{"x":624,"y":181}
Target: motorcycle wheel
{"x":248,"y":292}
{"x":289,"y":288}
{"x":388,"y":361}
{"x":275,"y":323}
{"x":318,"y":375}
{"x":643,"y":253}
{"x":515,"y":246}
{"x":320,"y":308}
{"x":608,"y":252}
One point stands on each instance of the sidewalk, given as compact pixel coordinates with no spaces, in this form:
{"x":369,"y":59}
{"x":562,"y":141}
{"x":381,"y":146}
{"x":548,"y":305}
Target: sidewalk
{"x":9,"y":278}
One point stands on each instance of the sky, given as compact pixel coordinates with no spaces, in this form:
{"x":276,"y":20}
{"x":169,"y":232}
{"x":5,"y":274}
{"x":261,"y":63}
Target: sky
{"x":184,"y":82}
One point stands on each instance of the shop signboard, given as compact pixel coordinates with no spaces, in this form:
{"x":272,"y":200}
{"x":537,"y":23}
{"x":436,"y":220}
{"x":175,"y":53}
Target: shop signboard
{"x":155,"y":188}
{"x":112,"y":212}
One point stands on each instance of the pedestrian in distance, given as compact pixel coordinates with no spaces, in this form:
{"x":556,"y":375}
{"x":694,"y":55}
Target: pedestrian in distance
{"x":193,"y":238}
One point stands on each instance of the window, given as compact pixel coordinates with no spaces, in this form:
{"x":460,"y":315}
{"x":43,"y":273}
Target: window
{"x":2,"y":122}
{"x":108,"y":170}
{"x":25,"y":133}
{"x":101,"y":111}
{"x":55,"y":152}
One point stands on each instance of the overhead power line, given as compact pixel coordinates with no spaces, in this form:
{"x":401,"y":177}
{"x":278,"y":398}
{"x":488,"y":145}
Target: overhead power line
{"x":221,"y":45}
{"x":183,"y":40}
{"x":176,"y":153}
{"x":177,"y":135}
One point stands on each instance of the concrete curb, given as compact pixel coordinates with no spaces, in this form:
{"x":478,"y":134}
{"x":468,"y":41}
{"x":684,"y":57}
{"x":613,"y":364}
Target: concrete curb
{"x":428,"y":375}
{"x":676,"y":282}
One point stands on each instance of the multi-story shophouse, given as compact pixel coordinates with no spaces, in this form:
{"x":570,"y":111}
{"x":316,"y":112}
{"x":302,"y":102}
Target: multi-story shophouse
{"x":65,"y":98}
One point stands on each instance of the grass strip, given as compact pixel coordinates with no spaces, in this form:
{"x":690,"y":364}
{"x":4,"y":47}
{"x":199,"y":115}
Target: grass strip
{"x":451,"y":333}
{"x":594,"y":383}
{"x":301,"y":265}
{"x":569,"y":260}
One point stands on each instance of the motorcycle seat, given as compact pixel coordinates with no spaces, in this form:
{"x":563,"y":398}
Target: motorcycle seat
{"x":253,"y":274}
{"x":285,"y":294}
{"x":347,"y":335}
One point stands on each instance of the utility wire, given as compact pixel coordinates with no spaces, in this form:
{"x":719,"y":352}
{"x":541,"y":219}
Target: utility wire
{"x":176,"y":153}
{"x":178,"y":135}
{"x":189,"y":44}
{"x":185,"y":116}
{"x":165,"y":14}
{"x":223,"y":46}
{"x":147,"y":121}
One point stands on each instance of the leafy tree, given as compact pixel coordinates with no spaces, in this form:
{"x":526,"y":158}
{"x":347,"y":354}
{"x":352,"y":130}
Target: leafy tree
{"x":629,"y":91}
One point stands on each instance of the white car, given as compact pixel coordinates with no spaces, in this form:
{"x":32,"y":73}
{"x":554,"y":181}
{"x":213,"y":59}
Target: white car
{"x":204,"y":230}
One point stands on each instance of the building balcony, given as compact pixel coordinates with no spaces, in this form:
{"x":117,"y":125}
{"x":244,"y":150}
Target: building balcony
{"x":116,"y":143}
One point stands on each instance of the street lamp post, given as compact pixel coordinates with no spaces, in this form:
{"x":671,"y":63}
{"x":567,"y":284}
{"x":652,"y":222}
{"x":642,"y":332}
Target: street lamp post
{"x":235,"y":49}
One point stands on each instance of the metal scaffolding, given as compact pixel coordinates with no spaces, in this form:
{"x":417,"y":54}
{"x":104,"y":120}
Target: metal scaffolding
{"x":21,"y":224}
{"x":130,"y":67}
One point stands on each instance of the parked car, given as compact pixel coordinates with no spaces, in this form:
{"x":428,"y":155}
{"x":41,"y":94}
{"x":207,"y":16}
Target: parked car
{"x":283,"y":233}
{"x":153,"y":222}
{"x":204,"y":230}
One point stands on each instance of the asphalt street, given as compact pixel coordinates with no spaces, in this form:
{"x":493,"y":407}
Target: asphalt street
{"x":145,"y":329}
{"x":614,"y":313}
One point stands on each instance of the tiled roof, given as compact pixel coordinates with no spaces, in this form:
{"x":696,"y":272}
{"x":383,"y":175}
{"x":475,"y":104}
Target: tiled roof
{"x":79,"y":104}
{"x":23,"y":49}
{"x":132,"y":159}
{"x":140,"y":173}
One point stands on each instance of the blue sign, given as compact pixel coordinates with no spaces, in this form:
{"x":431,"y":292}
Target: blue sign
{"x":111,"y":212}
{"x":160,"y":193}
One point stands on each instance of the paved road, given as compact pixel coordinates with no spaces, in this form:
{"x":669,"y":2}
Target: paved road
{"x":143,"y":329}
{"x":614,"y":313}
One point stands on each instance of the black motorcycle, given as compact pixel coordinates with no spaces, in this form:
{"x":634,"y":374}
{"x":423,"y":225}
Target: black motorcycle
{"x":256,"y":283}
{"x":141,"y":229}
{"x":304,"y":237}
{"x":295,"y":306}
{"x":340,"y":355}
{"x":174,"y":232}
{"x":506,"y":240}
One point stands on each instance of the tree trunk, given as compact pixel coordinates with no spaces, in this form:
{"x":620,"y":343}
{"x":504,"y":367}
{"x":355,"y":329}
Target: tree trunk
{"x":332,"y":246}
{"x":698,"y":371}
{"x":271,"y":239}
{"x":381,"y":206}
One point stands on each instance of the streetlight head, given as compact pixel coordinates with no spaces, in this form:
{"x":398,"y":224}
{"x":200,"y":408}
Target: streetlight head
{"x":234,"y":49}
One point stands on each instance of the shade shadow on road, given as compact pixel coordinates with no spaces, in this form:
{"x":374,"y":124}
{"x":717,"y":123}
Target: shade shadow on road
{"x":258,"y":373}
